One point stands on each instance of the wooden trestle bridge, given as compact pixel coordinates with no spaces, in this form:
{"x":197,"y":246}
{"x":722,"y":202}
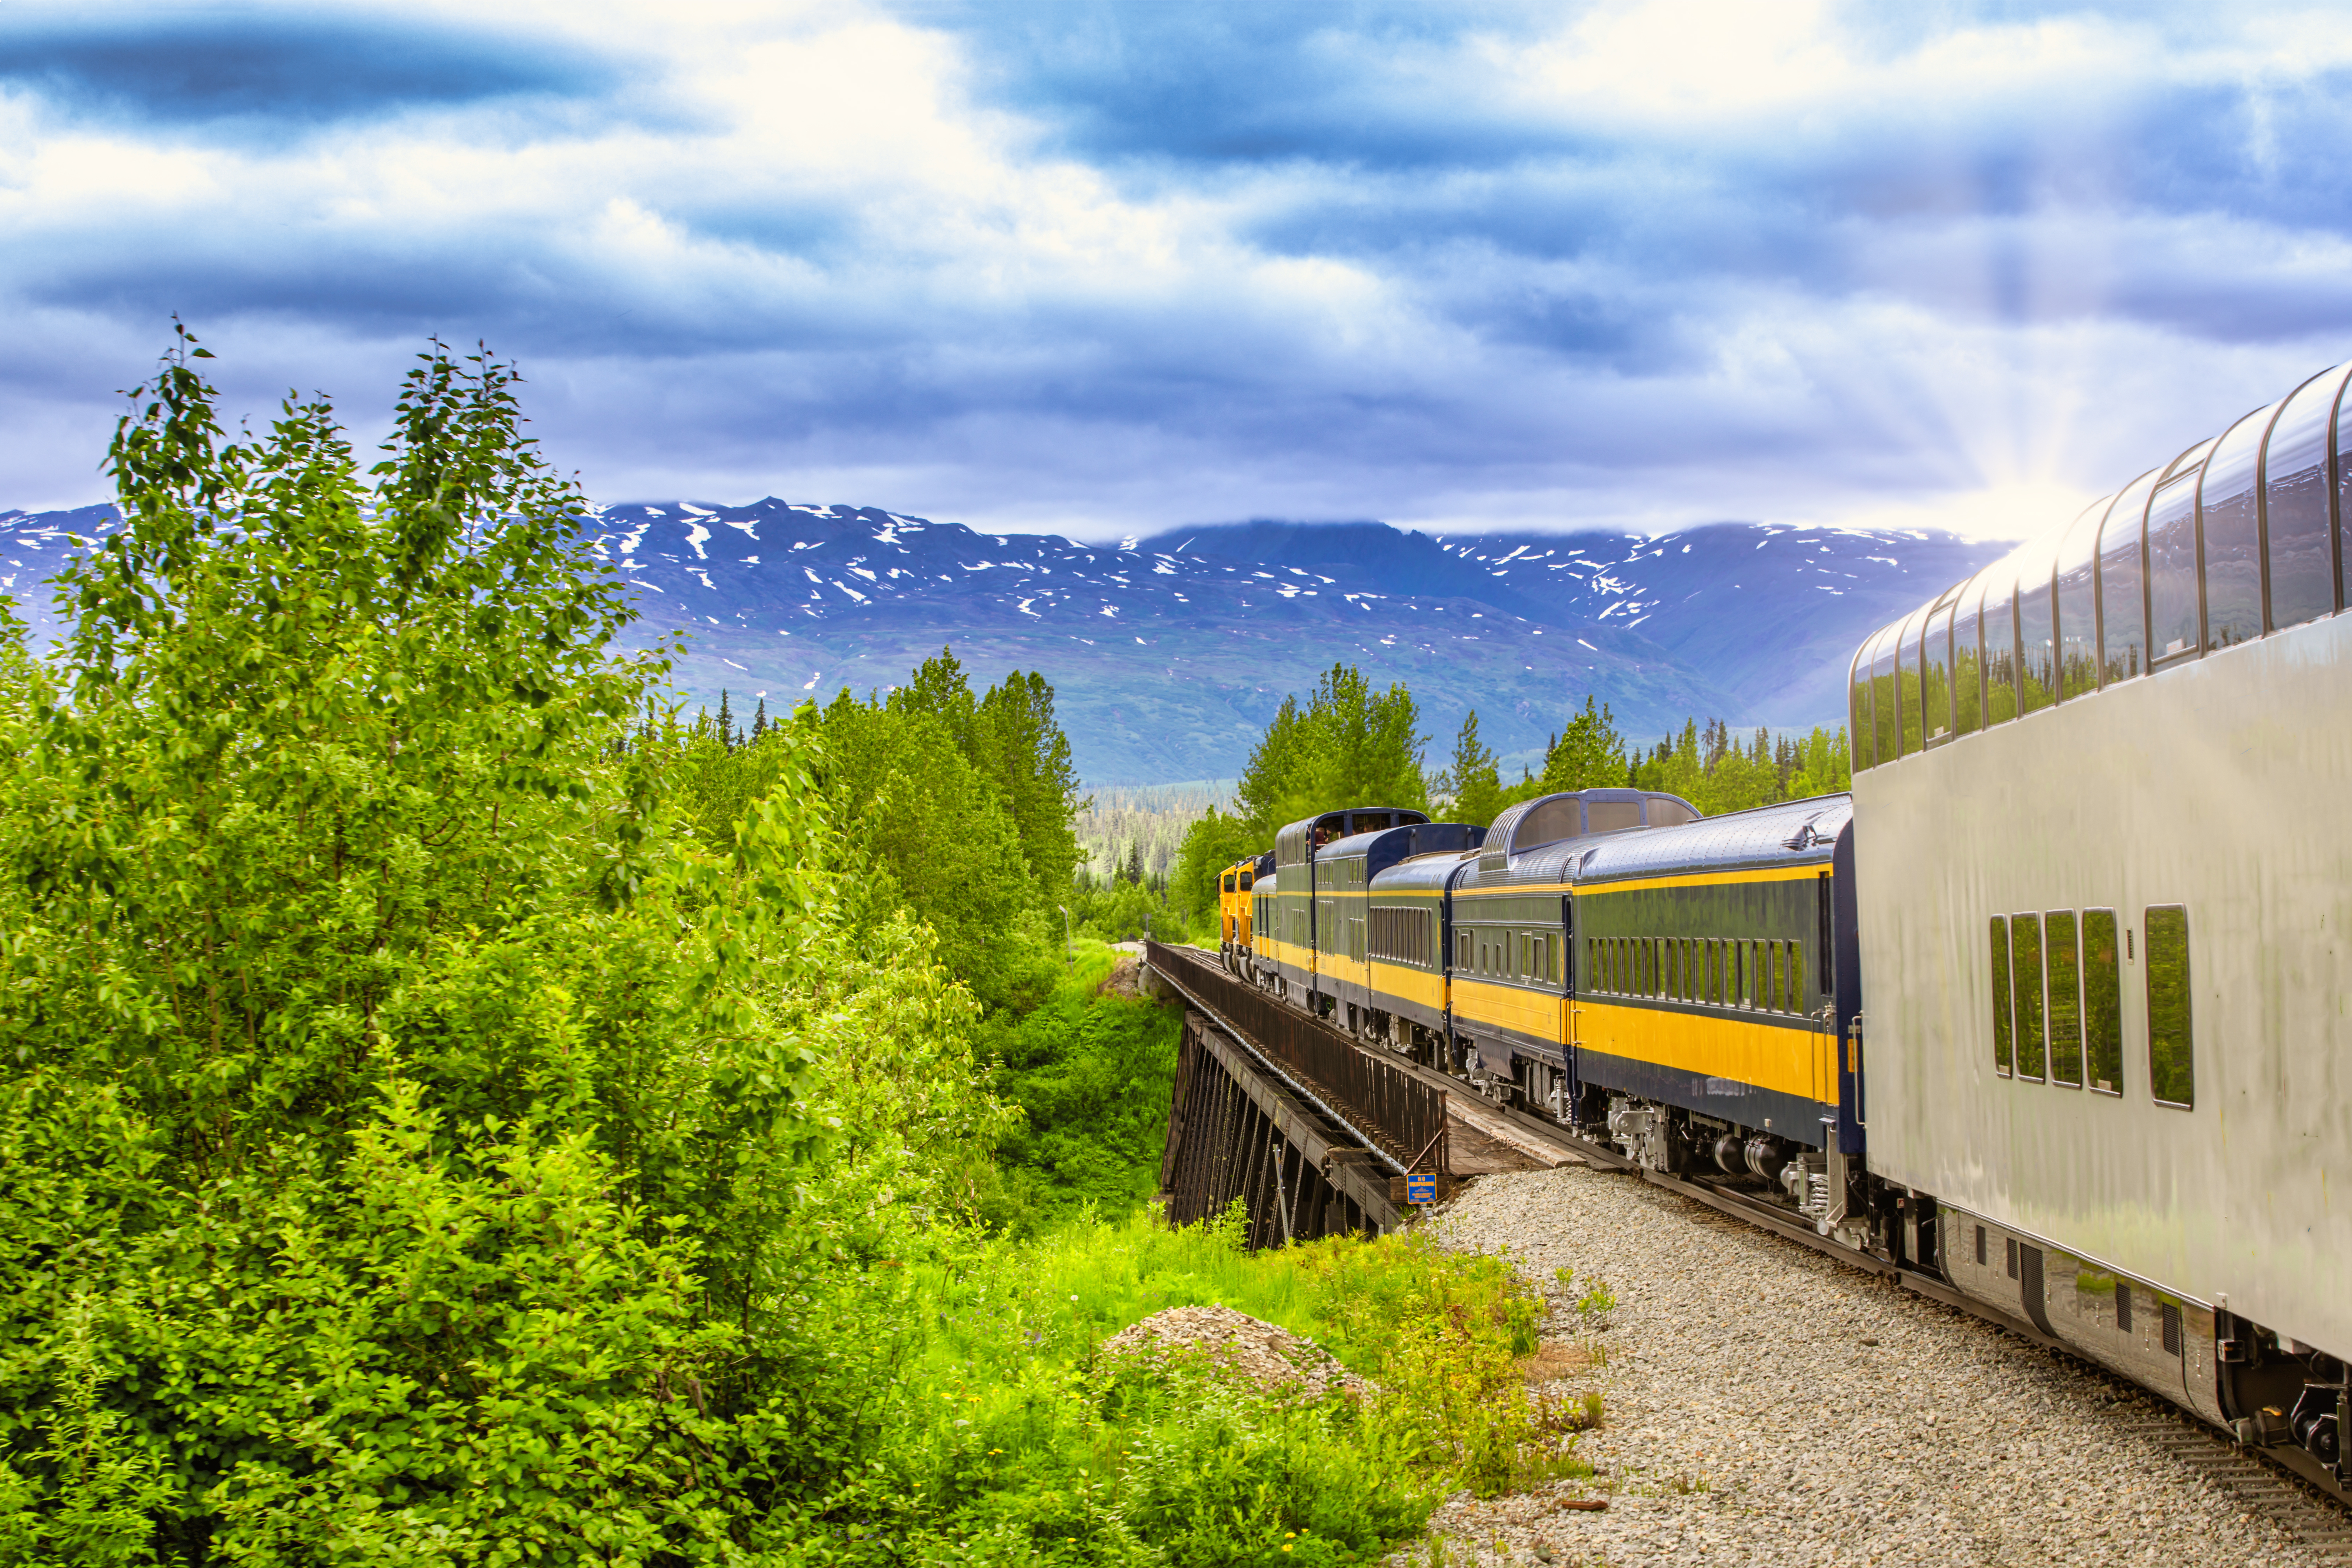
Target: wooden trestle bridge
{"x":1314,"y":1133}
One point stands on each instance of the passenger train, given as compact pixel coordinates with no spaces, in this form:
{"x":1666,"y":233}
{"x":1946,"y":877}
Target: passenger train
{"x":2055,"y":1007}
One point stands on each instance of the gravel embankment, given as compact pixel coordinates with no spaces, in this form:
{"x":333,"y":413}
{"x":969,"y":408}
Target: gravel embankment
{"x":1767,"y":1406}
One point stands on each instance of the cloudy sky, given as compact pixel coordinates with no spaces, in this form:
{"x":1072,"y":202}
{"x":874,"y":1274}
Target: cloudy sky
{"x":1102,"y":269}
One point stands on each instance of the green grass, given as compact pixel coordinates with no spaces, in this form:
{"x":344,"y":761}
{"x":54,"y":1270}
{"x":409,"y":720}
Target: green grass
{"x":1014,"y":1440}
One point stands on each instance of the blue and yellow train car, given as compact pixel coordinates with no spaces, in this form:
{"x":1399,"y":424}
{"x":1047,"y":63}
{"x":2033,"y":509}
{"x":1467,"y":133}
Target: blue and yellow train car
{"x":1377,"y":964}
{"x":1236,"y":906}
{"x":1706,"y":972}
{"x":1285,"y":942}
{"x":1511,"y":979}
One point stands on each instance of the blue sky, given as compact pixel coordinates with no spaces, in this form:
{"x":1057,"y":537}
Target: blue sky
{"x":1103,"y":270}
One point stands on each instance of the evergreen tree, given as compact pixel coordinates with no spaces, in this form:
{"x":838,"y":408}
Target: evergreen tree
{"x":1473,"y":786}
{"x":1134,"y":873}
{"x":1349,"y":746}
{"x":726,"y":722}
{"x":1589,"y":754}
{"x":760,"y":720}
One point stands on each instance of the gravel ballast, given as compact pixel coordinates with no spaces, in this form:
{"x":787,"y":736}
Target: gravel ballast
{"x":1766,"y":1405}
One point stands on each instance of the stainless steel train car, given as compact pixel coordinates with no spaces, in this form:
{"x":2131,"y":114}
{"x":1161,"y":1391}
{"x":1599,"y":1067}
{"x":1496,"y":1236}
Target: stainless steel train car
{"x":2055,"y":1008}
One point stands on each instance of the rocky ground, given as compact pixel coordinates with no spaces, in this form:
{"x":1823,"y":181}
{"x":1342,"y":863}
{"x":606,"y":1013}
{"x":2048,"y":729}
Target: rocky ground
{"x":1765,"y":1404}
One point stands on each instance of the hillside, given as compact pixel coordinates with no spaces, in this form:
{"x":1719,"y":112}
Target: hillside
{"x":1169,"y":653}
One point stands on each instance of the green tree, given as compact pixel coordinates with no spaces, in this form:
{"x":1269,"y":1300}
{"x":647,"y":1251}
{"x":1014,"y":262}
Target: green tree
{"x":410,"y":1126}
{"x":1350,"y":745}
{"x":1589,"y":754}
{"x":1471,"y":782}
{"x":1214,"y":841}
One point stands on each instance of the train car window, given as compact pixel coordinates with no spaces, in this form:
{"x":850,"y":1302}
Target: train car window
{"x":2228,"y":533}
{"x":1523,"y":950}
{"x":2103,"y":1034}
{"x":2078,"y":605}
{"x":1967,"y":663}
{"x":1461,"y":950}
{"x":1998,"y":629}
{"x":2172,"y":570}
{"x":2123,"y":601}
{"x":2295,"y":504}
{"x":2032,"y":1041}
{"x":1770,"y":975}
{"x":1906,"y":680}
{"x":1612,"y":816}
{"x":2003,"y":1003}
{"x":2343,"y":501}
{"x":1654,"y":958}
{"x":2123,"y":1306}
{"x":1714,"y":972}
{"x":1667,"y":813}
{"x":2065,"y":998}
{"x":1858,"y":706}
{"x":2171,"y":1069}
{"x":1885,"y":709}
{"x":1796,"y":991}
{"x":1935,"y":676}
{"x":2037,"y":629}
{"x":1739,"y":974}
{"x":1980,"y":1246}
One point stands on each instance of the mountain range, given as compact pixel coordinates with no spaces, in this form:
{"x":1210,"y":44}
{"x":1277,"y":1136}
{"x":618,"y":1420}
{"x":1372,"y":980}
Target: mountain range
{"x":1169,"y":653}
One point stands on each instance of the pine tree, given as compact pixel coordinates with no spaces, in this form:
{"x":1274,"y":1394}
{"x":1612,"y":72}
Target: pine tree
{"x":1471,"y":781}
{"x":726,"y":722}
{"x":1134,"y":874}
{"x":760,"y":720}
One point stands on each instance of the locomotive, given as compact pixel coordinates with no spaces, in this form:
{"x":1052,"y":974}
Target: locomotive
{"x":2053,"y":1008}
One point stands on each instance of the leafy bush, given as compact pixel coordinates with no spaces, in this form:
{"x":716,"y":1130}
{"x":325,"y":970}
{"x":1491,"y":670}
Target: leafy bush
{"x":416,"y":1144}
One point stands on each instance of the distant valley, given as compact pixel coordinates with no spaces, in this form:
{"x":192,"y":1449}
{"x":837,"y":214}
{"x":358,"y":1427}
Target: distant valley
{"x":1169,"y":653}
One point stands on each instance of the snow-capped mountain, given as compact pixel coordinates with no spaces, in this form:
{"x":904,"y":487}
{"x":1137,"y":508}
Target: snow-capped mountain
{"x":1169,"y":653}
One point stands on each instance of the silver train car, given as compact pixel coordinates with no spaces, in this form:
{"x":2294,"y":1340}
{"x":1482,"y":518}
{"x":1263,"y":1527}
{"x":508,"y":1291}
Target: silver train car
{"x":2104,"y":895}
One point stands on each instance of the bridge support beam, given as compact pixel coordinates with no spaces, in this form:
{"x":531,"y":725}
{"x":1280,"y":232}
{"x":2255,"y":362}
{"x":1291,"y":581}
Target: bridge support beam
{"x":1236,"y":1131}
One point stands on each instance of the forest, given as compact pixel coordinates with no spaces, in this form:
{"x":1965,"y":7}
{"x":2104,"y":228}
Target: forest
{"x":457,"y":1109}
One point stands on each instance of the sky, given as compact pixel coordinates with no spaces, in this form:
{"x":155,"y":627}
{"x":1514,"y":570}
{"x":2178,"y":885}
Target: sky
{"x":1100,"y":270}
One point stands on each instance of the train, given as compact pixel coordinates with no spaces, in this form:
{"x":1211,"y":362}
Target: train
{"x":2052,"y":1007}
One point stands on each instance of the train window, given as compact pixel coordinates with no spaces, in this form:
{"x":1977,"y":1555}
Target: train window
{"x":1795,"y":992}
{"x":1714,"y":973}
{"x":2295,"y":504}
{"x":2013,"y":1256}
{"x":2025,"y":955}
{"x":1461,"y":950}
{"x":2228,"y":533}
{"x":2171,"y":1070}
{"x":2171,"y":1328}
{"x":1739,"y":973}
{"x":1935,"y":676}
{"x":1906,"y":680}
{"x":2065,"y":998}
{"x":1612,"y":816}
{"x":1884,"y":708}
{"x":2342,"y":503}
{"x":1980,"y":1246}
{"x":2001,"y":1000}
{"x":1998,"y":629}
{"x":1667,"y":813}
{"x":2037,"y":628}
{"x":2123,"y":603}
{"x":2172,"y":570}
{"x":1653,"y":961}
{"x":1858,"y":706}
{"x":2123,"y":1306}
{"x":1967,"y":663}
{"x":1774,"y":966}
{"x":2103,"y":1034}
{"x":2078,"y":597}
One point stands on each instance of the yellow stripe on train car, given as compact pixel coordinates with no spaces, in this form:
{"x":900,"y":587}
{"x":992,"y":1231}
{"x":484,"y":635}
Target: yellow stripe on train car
{"x":1540,"y":1013}
{"x":1796,"y":1061}
{"x":1417,"y":986}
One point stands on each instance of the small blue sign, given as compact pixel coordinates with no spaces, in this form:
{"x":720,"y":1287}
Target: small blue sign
{"x":1421,"y":1187}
